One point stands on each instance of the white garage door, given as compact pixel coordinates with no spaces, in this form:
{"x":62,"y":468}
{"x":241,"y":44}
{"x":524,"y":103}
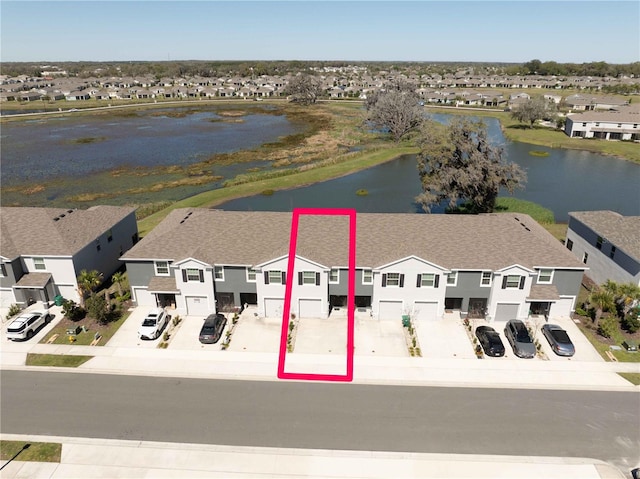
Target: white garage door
{"x":310,"y":308}
{"x":143,"y":297}
{"x":273,"y":307}
{"x":423,"y":310}
{"x":197,"y":305}
{"x":390,"y":310}
{"x":561,"y":308}
{"x":505,"y":312}
{"x":6,"y":298}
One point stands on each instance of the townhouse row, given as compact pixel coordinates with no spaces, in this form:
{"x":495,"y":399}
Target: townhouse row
{"x":497,"y":266}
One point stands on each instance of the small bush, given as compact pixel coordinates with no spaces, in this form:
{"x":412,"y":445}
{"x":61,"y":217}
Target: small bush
{"x":166,"y":336}
{"x":72,"y":311}
{"x":607,"y":327}
{"x":630,"y":323}
{"x":97,"y":308}
{"x":176,"y":320}
{"x":13,"y":310}
{"x":581,"y":312}
{"x":291,"y":326}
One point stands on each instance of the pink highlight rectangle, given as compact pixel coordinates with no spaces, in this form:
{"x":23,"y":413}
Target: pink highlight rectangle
{"x":297,"y":212}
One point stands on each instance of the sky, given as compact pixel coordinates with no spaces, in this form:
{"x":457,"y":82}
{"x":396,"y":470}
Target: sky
{"x":575,"y":31}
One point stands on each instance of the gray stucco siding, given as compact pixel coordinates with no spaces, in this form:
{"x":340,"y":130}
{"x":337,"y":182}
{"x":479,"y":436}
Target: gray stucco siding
{"x":235,"y":281}
{"x":567,"y":282}
{"x":467,"y":286}
{"x":342,"y":287}
{"x":14,"y":270}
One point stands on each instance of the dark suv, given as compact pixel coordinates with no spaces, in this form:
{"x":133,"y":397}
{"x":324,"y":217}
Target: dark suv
{"x":212,"y":328}
{"x":518,"y":336}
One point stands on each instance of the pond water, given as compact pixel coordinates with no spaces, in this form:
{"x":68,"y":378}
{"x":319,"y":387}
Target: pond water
{"x":564,"y":181}
{"x":119,"y":153}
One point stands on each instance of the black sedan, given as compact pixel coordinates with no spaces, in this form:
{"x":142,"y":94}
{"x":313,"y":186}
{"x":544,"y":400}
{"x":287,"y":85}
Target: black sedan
{"x":558,"y":340}
{"x":212,"y":328}
{"x":490,"y":341}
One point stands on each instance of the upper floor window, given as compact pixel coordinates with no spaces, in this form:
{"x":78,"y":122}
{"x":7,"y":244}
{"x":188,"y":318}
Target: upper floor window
{"x":3,"y":270}
{"x":569,"y":244}
{"x":393,"y":280}
{"x":452,"y":278}
{"x":275,"y":277}
{"x":218,"y":273}
{"x":162,"y":268}
{"x":192,"y":274}
{"x":38,"y":263}
{"x":251,"y":275}
{"x":513,"y":281}
{"x":486,"y":278}
{"x":612,"y":253}
{"x":367,"y":276}
{"x":599,"y":242}
{"x":428,"y":280}
{"x":98,"y":247}
{"x":309,"y":278}
{"x":109,"y":236}
{"x":545,"y":276}
{"x":585,"y":257}
{"x":334,"y":276}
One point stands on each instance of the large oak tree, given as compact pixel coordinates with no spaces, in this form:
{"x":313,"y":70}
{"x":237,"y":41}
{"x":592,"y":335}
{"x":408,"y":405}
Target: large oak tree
{"x":532,"y":110}
{"x":458,"y":163}
{"x":304,"y":89}
{"x":397,"y":110}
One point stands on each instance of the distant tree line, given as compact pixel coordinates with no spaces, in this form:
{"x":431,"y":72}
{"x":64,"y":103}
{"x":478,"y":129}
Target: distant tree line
{"x":593,"y":69}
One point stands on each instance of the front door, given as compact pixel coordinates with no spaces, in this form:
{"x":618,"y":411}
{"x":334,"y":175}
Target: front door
{"x":477,"y":308}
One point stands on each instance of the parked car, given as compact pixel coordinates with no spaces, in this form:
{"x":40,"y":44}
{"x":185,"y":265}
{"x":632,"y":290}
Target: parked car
{"x":558,"y":340}
{"x":153,"y":324}
{"x":520,"y":339}
{"x":212,"y":328}
{"x":490,"y":341}
{"x":27,"y":324}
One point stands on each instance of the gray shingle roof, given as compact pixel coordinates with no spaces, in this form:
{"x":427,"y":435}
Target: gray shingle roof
{"x":622,"y":231}
{"x":34,"y":231}
{"x":492,"y":241}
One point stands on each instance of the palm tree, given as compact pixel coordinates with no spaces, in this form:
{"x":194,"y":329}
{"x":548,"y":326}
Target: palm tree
{"x":88,"y":281}
{"x":118,"y":278}
{"x":601,"y":300}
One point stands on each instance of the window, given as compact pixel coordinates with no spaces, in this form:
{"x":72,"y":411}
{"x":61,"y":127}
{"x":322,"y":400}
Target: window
{"x":452,"y":278}
{"x":513,"y":281}
{"x":599,"y":242}
{"x":251,"y":275}
{"x":3,"y":270}
{"x":275,"y":277}
{"x":569,"y":245}
{"x":162,"y":268}
{"x":38,"y":263}
{"x":486,"y":278}
{"x":334,"y":276}
{"x":584,"y":124}
{"x":109,"y":236}
{"x":192,"y":274}
{"x":309,"y":278}
{"x":612,"y":253}
{"x":585,"y":257}
{"x":392,"y":279}
{"x":427,"y":280}
{"x":218,"y":273}
{"x":367,"y":276}
{"x":545,"y":276}
{"x":597,"y":123}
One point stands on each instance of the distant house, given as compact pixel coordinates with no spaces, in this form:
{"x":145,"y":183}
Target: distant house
{"x":620,"y":124}
{"x":588,"y":102}
{"x":78,"y":95}
{"x":608,"y":243}
{"x":43,"y":250}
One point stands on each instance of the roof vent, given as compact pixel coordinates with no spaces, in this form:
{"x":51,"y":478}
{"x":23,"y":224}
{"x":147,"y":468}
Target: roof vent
{"x":69,"y":211}
{"x":56,"y":218}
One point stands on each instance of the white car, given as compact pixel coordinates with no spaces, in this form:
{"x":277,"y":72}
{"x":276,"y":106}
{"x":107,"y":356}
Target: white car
{"x":153,"y":324}
{"x":27,"y":324}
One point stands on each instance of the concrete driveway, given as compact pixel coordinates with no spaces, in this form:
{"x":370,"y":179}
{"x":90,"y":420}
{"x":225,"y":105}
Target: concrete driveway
{"x":186,"y":336}
{"x":255,"y":334}
{"x":26,"y":345}
{"x":127,"y":334}
{"x":443,"y":339}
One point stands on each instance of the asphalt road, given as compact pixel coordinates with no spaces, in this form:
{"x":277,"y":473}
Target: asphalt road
{"x":601,"y":425}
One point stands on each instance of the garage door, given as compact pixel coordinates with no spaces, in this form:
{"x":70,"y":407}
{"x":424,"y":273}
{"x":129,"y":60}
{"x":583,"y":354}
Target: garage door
{"x":142,"y":297}
{"x":505,"y":312}
{"x":390,"y":310}
{"x":423,"y":310}
{"x":310,"y":308}
{"x":273,"y":307}
{"x":6,"y":298}
{"x":197,"y":305}
{"x":561,"y":308}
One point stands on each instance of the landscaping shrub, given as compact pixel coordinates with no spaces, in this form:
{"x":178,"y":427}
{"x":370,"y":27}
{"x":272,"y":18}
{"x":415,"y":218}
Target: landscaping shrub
{"x":630,"y":323}
{"x":13,"y":310}
{"x":607,"y":326}
{"x":97,"y":308}
{"x":72,"y":311}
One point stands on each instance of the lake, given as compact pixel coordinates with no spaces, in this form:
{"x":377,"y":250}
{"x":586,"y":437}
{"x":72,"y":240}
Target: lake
{"x":564,"y":181}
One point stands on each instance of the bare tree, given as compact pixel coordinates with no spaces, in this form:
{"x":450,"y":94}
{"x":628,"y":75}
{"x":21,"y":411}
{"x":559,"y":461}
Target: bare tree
{"x":458,"y":163}
{"x":396,"y":109}
{"x":304,"y":89}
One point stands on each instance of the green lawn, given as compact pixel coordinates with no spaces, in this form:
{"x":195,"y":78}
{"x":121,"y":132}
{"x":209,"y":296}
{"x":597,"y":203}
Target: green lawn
{"x":85,"y":338}
{"x":36,"y":452}
{"x":56,"y":360}
{"x":633,"y":378}
{"x":602,"y":345}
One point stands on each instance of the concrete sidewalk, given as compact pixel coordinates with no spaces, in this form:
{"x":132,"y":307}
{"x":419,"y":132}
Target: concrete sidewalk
{"x":97,"y":458}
